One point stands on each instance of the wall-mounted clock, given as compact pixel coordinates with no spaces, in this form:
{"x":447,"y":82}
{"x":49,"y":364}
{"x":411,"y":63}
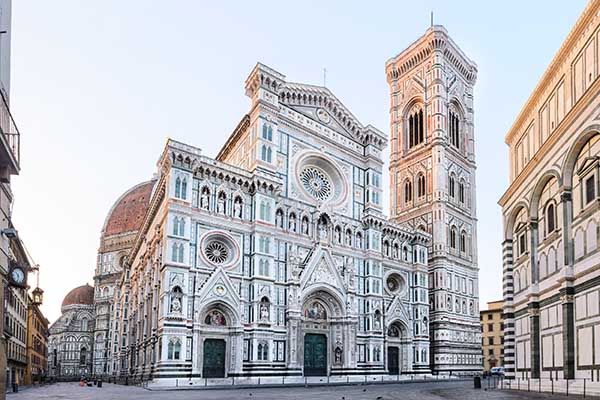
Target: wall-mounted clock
{"x":17,"y":275}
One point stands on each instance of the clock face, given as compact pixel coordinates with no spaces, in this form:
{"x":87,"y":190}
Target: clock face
{"x":18,"y":275}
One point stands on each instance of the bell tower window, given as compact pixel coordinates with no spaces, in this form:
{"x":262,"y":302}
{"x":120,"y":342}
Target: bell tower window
{"x":454,"y":129}
{"x":416,"y":135}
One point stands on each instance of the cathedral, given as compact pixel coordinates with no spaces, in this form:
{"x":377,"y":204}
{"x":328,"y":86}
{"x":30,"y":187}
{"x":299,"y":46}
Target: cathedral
{"x":275,"y":258}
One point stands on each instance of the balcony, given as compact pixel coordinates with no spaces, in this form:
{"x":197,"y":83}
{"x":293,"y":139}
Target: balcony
{"x":10,"y":142}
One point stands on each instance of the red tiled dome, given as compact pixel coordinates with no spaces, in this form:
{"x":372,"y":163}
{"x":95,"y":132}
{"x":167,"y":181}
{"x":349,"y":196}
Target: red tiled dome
{"x":80,"y":295}
{"x":127,"y":214}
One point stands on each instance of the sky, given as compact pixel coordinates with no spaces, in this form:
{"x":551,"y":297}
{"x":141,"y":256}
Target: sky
{"x":97,"y":88}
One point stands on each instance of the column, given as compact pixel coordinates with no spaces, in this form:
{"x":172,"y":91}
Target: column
{"x":509,"y":311}
{"x":568,"y":331}
{"x":534,"y":323}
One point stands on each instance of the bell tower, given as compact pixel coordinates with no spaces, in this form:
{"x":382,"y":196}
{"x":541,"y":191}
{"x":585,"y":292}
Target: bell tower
{"x":432,"y":179}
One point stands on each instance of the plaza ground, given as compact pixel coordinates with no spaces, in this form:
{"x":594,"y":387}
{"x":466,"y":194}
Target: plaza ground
{"x":448,"y":390}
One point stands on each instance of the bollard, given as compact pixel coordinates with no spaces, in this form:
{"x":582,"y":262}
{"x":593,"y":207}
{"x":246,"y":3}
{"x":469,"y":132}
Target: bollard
{"x":552,"y":382}
{"x":528,"y":385}
{"x":567,"y":387}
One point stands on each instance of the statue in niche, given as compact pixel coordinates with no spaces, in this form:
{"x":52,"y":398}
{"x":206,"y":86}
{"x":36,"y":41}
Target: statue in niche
{"x":348,"y":238}
{"x":322,"y":232}
{"x":176,"y":305}
{"x":279,"y":219}
{"x":304,"y":226}
{"x":237,"y":208}
{"x":377,"y":322}
{"x":338,"y":356}
{"x":293,"y":222}
{"x":204,"y":201}
{"x":264,"y":312}
{"x":221,"y":204}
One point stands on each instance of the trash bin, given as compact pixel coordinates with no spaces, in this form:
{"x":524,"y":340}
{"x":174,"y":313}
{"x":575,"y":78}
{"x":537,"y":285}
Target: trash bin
{"x":477,"y":382}
{"x":99,"y":383}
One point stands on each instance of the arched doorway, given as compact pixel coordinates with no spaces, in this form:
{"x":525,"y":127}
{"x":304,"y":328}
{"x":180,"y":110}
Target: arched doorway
{"x":218,"y":338}
{"x":398,"y":347}
{"x":321,"y":337}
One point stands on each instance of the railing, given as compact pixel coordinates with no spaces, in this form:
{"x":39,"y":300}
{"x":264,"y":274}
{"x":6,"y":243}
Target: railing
{"x":9,"y":129}
{"x":568,"y":387}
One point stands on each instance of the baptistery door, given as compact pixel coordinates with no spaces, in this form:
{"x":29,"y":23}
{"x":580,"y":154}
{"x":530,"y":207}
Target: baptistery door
{"x":214,"y":358}
{"x":315,"y":354}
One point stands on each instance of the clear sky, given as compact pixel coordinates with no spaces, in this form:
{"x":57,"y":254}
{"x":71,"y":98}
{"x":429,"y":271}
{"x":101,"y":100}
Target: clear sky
{"x":98,"y":86}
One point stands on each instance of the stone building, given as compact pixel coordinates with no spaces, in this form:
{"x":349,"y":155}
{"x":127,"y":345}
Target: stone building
{"x":551,"y":213}
{"x":118,"y":234}
{"x":10,"y":151}
{"x":492,"y":335}
{"x":274,"y":259}
{"x":71,"y":342}
{"x":432,"y":185}
{"x":37,"y":341}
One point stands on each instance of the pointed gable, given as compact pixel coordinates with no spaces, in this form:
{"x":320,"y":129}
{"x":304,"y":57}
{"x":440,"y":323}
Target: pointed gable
{"x":397,"y":312}
{"x":218,"y":287}
{"x":321,"y":270}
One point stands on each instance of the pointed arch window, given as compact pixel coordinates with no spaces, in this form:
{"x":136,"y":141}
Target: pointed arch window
{"x":451,"y":186}
{"x":454,"y":129}
{"x":183,"y":189}
{"x":178,"y":187}
{"x":174,"y":252}
{"x":420,"y":185}
{"x":461,"y":192}
{"x":267,"y":132}
{"x":407,"y":191}
{"x":416,"y":134}
{"x":463,"y":242}
{"x":175,"y":226}
{"x":263,"y":351}
{"x":453,"y":238}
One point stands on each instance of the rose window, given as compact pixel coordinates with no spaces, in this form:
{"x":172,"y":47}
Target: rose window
{"x":316,"y":183}
{"x":216,"y":252}
{"x":395,"y":284}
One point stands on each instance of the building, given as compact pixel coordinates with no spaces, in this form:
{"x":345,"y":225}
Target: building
{"x":37,"y":341}
{"x":492,"y":336}
{"x":551,"y":215}
{"x":274,"y":259}
{"x":71,"y":340}
{"x":9,"y":165}
{"x":15,"y":308}
{"x":118,"y":234}
{"x":432,"y":186}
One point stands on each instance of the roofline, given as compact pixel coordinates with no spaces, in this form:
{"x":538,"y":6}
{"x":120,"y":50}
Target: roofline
{"x":588,"y":13}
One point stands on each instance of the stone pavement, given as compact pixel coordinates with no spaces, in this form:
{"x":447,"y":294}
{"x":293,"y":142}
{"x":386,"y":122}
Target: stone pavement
{"x":459,"y":390}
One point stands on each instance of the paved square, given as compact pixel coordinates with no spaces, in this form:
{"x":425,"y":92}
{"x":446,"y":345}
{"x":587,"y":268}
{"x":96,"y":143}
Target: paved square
{"x":410,"y":391}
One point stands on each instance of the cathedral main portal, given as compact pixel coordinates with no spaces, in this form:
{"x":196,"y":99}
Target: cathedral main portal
{"x":214,"y":358}
{"x":315,"y":355}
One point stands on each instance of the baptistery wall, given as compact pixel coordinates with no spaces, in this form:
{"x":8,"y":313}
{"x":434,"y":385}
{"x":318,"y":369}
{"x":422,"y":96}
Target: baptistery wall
{"x":274,"y":259}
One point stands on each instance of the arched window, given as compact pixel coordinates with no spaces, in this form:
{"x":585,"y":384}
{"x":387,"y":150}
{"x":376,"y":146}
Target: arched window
{"x":174,"y":252}
{"x":550,"y":219}
{"x":264,"y":131}
{"x":461,"y":192}
{"x":174,"y":349}
{"x":454,"y":128}
{"x":420,"y":185}
{"x":453,"y":238}
{"x":83,"y":356}
{"x":263,"y":153}
{"x":415,"y":128}
{"x":175,"y":226}
{"x":451,"y":183}
{"x":263,"y":267}
{"x":182,"y":227}
{"x":407,"y":191}
{"x":463,"y":242}
{"x":177,"y":187}
{"x":84,"y":324}
{"x":263,"y":351}
{"x":184,"y":189}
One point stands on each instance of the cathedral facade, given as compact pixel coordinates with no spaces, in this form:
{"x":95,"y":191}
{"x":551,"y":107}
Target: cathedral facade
{"x":275,"y":259}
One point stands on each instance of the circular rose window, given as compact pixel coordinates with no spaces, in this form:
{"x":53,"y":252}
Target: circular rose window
{"x":395,"y":283}
{"x":320,"y":179}
{"x":316,"y":183}
{"x":219,"y":249}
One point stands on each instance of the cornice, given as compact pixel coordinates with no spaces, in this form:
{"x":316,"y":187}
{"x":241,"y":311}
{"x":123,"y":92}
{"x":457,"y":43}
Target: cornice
{"x":559,"y":60}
